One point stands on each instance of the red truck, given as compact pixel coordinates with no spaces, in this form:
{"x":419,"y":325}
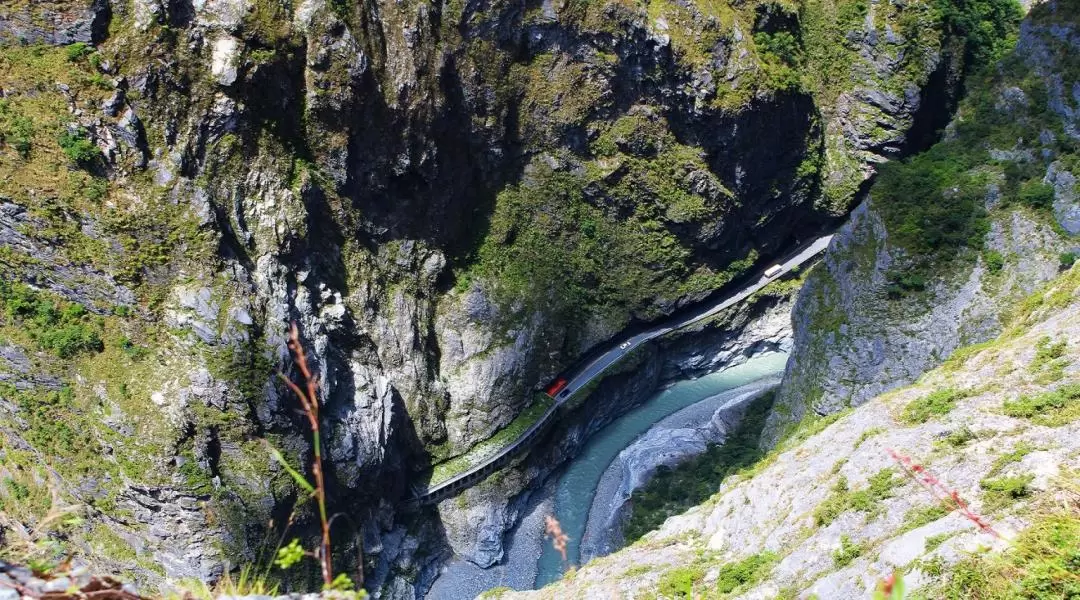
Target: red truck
{"x":555,"y":387}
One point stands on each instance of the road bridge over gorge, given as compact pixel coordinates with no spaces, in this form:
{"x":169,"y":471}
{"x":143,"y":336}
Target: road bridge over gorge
{"x":436,"y":491}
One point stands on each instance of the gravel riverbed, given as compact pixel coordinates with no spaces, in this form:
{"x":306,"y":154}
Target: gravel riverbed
{"x":671,"y":440}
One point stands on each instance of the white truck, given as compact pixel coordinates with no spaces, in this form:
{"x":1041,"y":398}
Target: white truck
{"x":773,"y":271}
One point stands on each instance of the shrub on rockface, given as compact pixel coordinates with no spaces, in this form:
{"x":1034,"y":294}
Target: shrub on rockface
{"x":63,"y":328}
{"x":78,"y":147}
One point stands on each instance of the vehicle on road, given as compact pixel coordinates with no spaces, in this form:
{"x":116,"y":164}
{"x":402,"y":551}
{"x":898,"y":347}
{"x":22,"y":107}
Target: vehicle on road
{"x":773,"y":271}
{"x":555,"y":387}
{"x":564,"y":393}
{"x":624,"y":345}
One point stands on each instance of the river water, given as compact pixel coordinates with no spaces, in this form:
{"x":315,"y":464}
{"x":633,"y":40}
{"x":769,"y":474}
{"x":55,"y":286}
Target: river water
{"x":577,"y":484}
{"x":531,"y":562}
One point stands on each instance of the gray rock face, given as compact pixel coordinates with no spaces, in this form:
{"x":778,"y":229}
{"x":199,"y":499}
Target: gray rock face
{"x":44,"y":267}
{"x":178,"y":537}
{"x":852,"y":342}
{"x":1066,"y":201}
{"x":55,"y":22}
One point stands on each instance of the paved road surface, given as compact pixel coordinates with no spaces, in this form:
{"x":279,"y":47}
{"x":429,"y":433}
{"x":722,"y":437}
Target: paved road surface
{"x":615,"y":354}
{"x":593,"y":369}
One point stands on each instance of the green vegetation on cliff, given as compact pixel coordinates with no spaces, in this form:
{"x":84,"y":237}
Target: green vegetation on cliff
{"x":937,"y":204}
{"x":1042,"y":563}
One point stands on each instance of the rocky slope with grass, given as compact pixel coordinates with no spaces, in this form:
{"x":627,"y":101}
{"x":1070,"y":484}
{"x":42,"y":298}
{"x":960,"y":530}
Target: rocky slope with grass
{"x":454,"y":201}
{"x":831,"y":512}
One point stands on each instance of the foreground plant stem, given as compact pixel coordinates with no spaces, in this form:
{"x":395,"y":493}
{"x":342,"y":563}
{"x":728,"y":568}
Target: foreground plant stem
{"x":309,"y":400}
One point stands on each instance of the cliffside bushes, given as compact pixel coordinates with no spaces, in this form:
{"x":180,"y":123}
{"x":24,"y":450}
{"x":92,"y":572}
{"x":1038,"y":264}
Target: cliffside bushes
{"x":63,"y":328}
{"x":936,"y":204}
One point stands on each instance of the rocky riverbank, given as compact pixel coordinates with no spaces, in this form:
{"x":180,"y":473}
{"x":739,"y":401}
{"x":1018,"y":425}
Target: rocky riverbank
{"x":669,"y":442}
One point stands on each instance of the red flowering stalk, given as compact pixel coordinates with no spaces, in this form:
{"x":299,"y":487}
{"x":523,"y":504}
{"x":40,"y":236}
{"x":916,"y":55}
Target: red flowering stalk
{"x":950,"y":498}
{"x":309,"y":400}
{"x":553,"y":529}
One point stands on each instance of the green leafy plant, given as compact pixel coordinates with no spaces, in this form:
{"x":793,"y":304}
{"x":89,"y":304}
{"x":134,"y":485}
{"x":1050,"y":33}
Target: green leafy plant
{"x":1053,"y":409}
{"x":78,"y":147}
{"x":1066,"y":259}
{"x":1000,"y":492}
{"x":868,"y":500}
{"x":959,"y":437}
{"x":847,"y":552}
{"x":1036,"y":194}
{"x":78,"y":50}
{"x":63,"y":328}
{"x":994,"y":261}
{"x":290,"y":554}
{"x":15,"y":129}
{"x":732,"y":577}
{"x":682,"y":582}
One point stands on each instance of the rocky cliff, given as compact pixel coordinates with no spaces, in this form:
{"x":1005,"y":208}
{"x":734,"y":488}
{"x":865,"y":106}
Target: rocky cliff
{"x":898,"y":293}
{"x":454,"y":201}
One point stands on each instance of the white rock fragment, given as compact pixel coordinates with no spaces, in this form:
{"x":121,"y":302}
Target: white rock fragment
{"x":226,"y":56}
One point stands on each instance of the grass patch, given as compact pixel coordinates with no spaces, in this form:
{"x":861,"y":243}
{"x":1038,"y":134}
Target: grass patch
{"x":1022,"y":449}
{"x":1049,"y":363}
{"x":937,"y":403}
{"x":935,"y":541}
{"x":848,"y":552}
{"x":739,"y":576}
{"x":868,"y":500}
{"x":1043,"y":563}
{"x":1001,"y":492}
{"x":923,"y":515}
{"x":960,"y":357}
{"x":958,"y":437}
{"x":683,"y":582}
{"x":1052,"y":409}
{"x":869,"y":433}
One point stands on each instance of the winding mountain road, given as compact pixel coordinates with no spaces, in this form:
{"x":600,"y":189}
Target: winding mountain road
{"x":601,"y":363}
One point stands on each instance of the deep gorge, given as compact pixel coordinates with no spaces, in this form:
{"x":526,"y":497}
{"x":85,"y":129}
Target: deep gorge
{"x":455,"y":201}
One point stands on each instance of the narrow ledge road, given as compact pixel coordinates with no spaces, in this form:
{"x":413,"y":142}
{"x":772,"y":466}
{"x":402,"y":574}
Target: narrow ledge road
{"x":595,"y":369}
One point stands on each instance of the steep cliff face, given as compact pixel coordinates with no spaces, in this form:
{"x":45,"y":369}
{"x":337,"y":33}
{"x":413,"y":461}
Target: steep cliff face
{"x":904,"y":287}
{"x":454,"y":201}
{"x":938,"y":266}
